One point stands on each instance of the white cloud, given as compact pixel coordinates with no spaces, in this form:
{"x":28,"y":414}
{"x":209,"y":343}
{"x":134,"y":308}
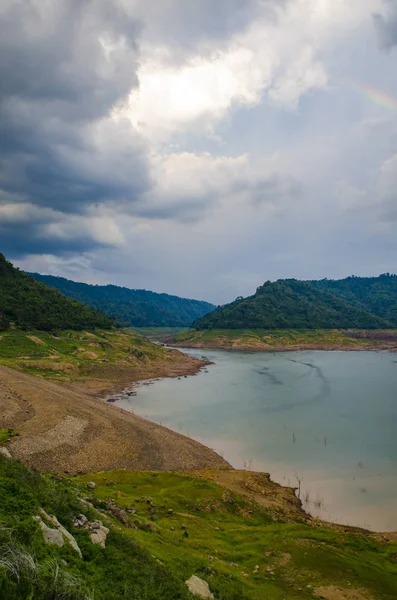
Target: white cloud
{"x":281,"y":56}
{"x":189,"y":186}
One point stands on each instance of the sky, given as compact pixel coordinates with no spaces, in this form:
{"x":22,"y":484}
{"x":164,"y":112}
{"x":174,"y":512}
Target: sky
{"x":195,"y":147}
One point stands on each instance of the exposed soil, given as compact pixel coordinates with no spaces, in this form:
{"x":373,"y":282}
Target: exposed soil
{"x":64,"y":430}
{"x":390,"y":345}
{"x":113,"y":378}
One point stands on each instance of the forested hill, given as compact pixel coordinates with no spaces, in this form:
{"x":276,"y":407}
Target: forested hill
{"x":29,"y":304}
{"x":377,"y":294}
{"x":136,"y":308}
{"x":296,"y":304}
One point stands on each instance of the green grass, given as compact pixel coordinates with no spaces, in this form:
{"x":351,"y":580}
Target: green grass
{"x":31,"y":569}
{"x":228,"y":536}
{"x":6,"y":435}
{"x":69,"y":354}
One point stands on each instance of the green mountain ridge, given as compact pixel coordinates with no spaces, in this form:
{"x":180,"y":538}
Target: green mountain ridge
{"x":29,"y":304}
{"x":129,"y":307}
{"x":357,"y":303}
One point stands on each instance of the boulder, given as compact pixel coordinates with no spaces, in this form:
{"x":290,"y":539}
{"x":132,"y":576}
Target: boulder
{"x":119,"y":513}
{"x":199,"y":587}
{"x":61,"y":529}
{"x":51,"y":536}
{"x":5,"y":452}
{"x":91,"y":485}
{"x":98,"y":533}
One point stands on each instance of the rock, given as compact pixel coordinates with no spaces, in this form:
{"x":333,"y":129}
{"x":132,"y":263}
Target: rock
{"x":151,"y":527}
{"x":186,"y":534}
{"x":51,"y":536}
{"x":64,"y":532}
{"x":98,"y":533}
{"x":199,"y":587}
{"x":5,"y":452}
{"x":119,"y":513}
{"x":170,"y":511}
{"x":81,"y":521}
{"x":91,"y":485}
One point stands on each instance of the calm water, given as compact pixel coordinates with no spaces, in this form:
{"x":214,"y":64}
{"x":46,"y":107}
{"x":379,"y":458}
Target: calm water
{"x":325,"y":419}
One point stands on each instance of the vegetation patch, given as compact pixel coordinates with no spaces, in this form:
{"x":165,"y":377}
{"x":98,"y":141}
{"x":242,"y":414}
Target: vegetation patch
{"x":132,"y":308}
{"x":355,"y":302}
{"x":73,"y":354}
{"x":242,"y":549}
{"x":29,"y":304}
{"x":287,"y":339}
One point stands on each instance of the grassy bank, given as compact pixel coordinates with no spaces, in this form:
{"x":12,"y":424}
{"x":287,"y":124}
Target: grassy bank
{"x":72,"y":355}
{"x":175,"y":525}
{"x":286,"y":339}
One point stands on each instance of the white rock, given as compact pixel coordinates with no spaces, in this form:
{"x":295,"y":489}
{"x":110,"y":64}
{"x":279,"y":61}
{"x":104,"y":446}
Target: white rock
{"x":98,"y":533}
{"x":91,"y":485}
{"x":51,"y":536}
{"x":5,"y":452}
{"x":199,"y":587}
{"x":61,"y":529}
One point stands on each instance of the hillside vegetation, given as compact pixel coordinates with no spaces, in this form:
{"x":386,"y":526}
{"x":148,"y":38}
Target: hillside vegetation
{"x":292,"y":304}
{"x":135,"y":308}
{"x":165,"y":527}
{"x":28,"y":304}
{"x":97,"y":355}
{"x":377,"y":294}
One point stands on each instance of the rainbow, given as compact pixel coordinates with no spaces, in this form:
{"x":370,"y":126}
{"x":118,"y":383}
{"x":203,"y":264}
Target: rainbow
{"x":376,"y":95}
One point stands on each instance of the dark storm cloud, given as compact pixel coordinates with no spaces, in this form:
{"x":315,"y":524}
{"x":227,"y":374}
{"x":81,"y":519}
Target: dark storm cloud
{"x":63,"y":66}
{"x":386,"y":26}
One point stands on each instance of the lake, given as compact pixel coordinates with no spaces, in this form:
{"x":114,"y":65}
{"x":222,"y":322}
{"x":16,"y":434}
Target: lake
{"x":322,"y":421}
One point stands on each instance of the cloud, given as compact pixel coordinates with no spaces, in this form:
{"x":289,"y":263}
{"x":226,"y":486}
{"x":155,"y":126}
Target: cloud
{"x":277,"y":55}
{"x":64,"y":66}
{"x":386,"y":25}
{"x":187,"y":186}
{"x":387,"y":189}
{"x":27,"y":229}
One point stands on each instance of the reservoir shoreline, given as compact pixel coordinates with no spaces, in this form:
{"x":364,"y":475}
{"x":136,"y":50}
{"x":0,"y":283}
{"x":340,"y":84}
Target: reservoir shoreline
{"x":269,"y":463}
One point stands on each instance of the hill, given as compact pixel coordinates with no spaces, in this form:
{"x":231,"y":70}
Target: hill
{"x":30,"y":304}
{"x":293,"y":304}
{"x":134,"y":308}
{"x":377,"y":294}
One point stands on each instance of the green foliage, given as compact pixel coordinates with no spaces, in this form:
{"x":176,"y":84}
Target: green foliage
{"x":293,"y":304}
{"x":135,"y":308}
{"x":376,"y":294}
{"x":32,"y":305}
{"x":229,"y":535}
{"x":70,"y":354}
{"x":31,"y":569}
{"x":6,"y":435}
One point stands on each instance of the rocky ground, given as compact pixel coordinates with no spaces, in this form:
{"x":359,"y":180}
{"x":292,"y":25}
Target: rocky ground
{"x":61,"y":429}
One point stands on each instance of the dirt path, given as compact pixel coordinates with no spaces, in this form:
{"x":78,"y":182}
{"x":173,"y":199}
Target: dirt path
{"x":65,"y":430}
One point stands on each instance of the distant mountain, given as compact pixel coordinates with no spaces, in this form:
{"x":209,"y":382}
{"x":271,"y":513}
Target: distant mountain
{"x":136,"y":308}
{"x":289,"y":303}
{"x":29,"y":304}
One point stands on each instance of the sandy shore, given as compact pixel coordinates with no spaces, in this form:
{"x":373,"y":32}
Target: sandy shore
{"x":391,"y":347}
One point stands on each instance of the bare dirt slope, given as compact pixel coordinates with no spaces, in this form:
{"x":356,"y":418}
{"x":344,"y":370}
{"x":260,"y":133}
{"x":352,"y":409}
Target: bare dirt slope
{"x":64,"y":430}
